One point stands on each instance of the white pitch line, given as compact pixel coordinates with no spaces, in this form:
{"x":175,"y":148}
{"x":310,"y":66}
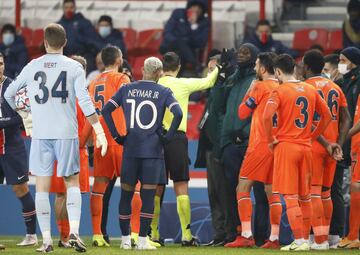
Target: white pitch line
{"x":194,"y":182}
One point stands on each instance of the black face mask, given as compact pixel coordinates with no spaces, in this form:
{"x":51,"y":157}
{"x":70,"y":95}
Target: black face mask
{"x":355,"y":24}
{"x":246,"y":64}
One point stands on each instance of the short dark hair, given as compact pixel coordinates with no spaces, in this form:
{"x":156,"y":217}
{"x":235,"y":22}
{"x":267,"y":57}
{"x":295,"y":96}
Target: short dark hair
{"x":106,"y":18}
{"x":263,"y":22}
{"x":333,"y":59}
{"x":55,"y":35}
{"x":69,"y":1}
{"x":317,"y":47}
{"x":285,"y":63}
{"x":109,"y":54}
{"x":266,"y":60}
{"x":171,"y":61}
{"x":314,"y":60}
{"x":8,"y":28}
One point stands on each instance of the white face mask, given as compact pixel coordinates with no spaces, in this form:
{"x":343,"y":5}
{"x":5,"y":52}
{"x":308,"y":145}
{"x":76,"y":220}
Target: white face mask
{"x":327,"y":75}
{"x":8,"y":38}
{"x":343,"y":69}
{"x":104,"y":31}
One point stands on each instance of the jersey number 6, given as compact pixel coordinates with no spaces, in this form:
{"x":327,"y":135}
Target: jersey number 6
{"x":62,"y":93}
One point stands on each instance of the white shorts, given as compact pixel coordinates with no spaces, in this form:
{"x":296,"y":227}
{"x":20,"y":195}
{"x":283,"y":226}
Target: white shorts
{"x":44,"y":152}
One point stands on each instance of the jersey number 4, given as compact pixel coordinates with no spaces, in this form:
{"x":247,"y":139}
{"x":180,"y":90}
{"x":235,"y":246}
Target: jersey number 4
{"x":62,"y":93}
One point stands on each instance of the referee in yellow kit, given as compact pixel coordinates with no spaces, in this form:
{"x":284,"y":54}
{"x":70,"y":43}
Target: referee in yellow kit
{"x":176,"y":150}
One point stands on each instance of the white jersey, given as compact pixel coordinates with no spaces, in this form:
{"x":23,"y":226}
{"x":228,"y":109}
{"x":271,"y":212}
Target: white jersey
{"x":53,"y":83}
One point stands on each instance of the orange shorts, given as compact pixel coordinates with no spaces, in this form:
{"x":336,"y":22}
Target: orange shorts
{"x":57,"y":183}
{"x":258,"y":164}
{"x":324,"y":167}
{"x":292,"y":169}
{"x":109,"y":165}
{"x":355,"y":167}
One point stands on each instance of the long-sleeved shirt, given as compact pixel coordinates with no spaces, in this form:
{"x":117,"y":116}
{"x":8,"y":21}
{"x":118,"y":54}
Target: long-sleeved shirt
{"x":182,"y":88}
{"x":10,"y":123}
{"x":53,"y":83}
{"x":143,"y":103}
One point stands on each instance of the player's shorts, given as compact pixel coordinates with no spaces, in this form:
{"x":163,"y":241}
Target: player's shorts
{"x":177,"y":158}
{"x":324,"y":167}
{"x":44,"y":152}
{"x":292,"y":169}
{"x":58,"y":184}
{"x":15,"y":168}
{"x":109,"y":165}
{"x":145,"y":170}
{"x":258,"y":164}
{"x":355,"y":167}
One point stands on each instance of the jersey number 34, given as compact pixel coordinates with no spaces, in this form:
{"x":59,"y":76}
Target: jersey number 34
{"x":55,"y":91}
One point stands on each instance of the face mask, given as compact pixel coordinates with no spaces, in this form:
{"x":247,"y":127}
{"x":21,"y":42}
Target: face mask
{"x":104,"y":31}
{"x":343,"y":69}
{"x":327,"y":75}
{"x":8,"y":38}
{"x":69,"y":14}
{"x":355,"y":24}
{"x":264,"y":38}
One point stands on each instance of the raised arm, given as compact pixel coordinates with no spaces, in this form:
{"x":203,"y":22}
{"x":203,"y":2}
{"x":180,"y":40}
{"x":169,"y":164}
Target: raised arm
{"x":197,"y":84}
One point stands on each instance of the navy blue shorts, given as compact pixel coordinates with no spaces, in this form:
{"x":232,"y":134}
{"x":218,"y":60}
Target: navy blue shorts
{"x":15,"y":167}
{"x":146,"y":170}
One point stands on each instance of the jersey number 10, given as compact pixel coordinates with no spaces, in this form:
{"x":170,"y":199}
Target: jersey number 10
{"x":135,"y":113}
{"x":62,"y":93}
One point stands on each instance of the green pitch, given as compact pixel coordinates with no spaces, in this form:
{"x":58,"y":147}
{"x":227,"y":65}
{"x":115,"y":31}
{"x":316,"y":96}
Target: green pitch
{"x":10,"y":243}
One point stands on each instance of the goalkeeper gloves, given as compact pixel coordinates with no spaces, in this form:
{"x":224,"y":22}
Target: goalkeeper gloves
{"x":100,"y":138}
{"x":27,"y":121}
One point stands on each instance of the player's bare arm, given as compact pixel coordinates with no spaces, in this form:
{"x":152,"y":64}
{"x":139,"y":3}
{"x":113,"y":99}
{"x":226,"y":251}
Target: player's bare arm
{"x":344,"y":125}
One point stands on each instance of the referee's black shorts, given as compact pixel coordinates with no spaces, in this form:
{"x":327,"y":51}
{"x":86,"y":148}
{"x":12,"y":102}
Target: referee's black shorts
{"x":177,"y":158}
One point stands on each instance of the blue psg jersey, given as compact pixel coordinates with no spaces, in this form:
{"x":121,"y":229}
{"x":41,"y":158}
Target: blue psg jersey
{"x":10,"y":124}
{"x":144,"y":104}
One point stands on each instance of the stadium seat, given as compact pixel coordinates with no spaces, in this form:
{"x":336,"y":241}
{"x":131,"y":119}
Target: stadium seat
{"x":194,"y":118}
{"x":306,"y":38}
{"x":130,"y":36}
{"x":27,"y":35}
{"x":149,"y":41}
{"x":335,"y":41}
{"x":138,"y":63}
{"x":38,"y":37}
{"x":37,"y":45}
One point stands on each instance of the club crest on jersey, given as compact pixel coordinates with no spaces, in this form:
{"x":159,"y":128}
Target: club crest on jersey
{"x":300,"y":88}
{"x":321,"y":84}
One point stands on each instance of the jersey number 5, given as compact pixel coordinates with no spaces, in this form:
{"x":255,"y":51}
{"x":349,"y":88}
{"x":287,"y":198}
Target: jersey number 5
{"x":303,"y":103}
{"x":99,"y":97}
{"x":62,"y":93}
{"x":135,"y":113}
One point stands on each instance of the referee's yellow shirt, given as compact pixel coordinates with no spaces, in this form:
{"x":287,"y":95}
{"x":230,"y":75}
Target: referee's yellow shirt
{"x":182,"y":88}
